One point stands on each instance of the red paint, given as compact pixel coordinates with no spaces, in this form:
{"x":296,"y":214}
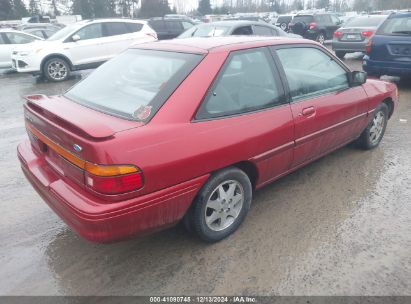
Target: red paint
{"x":176,"y":155}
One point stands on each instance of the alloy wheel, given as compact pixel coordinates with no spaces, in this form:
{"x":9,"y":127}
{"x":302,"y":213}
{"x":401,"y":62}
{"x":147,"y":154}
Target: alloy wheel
{"x":377,"y":127}
{"x":57,"y":70}
{"x":224,"y":205}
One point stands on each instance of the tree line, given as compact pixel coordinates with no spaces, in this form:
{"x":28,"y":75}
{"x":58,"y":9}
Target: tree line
{"x":16,"y":9}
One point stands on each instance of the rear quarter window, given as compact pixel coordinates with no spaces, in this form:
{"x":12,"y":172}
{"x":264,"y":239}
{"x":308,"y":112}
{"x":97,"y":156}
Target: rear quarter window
{"x":396,"y":26}
{"x":134,"y":27}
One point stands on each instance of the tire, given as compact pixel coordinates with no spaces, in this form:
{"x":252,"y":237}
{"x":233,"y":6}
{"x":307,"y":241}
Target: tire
{"x":221,"y":205}
{"x":320,"y":38}
{"x":373,"y":134}
{"x":56,"y":69}
{"x":340,"y":54}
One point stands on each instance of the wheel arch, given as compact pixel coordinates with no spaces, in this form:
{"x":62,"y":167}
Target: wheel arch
{"x":250,"y":169}
{"x":55,"y":55}
{"x":390,"y":104}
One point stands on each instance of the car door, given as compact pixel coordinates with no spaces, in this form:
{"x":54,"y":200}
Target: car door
{"x":327,"y":111}
{"x":89,"y":49}
{"x":247,"y":104}
{"x":334,"y":24}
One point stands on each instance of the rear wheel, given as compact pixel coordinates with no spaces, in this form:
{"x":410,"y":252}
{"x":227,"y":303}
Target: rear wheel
{"x":283,"y":26}
{"x":321,"y":38}
{"x":221,"y":205}
{"x":373,"y":134}
{"x":56,"y":69}
{"x":340,"y":54}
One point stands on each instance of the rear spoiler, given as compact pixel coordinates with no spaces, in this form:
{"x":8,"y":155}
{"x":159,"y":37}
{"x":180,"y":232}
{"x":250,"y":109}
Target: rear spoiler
{"x":71,"y":116}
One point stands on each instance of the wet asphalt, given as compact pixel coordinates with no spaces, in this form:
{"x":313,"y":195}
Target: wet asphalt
{"x":339,"y":226}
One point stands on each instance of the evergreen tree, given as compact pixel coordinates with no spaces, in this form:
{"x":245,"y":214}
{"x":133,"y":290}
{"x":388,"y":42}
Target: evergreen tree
{"x":154,"y":8}
{"x":204,"y":7}
{"x":19,"y":9}
{"x":83,"y":8}
{"x":54,"y":7}
{"x":34,"y":8}
{"x":322,"y":4}
{"x":6,"y":9}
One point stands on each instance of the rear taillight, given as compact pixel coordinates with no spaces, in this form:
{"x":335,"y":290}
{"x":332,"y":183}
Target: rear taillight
{"x":367,"y":33}
{"x":114,"y":184}
{"x":368,"y":47}
{"x":312,"y":26}
{"x":104,"y":179}
{"x":338,"y":34}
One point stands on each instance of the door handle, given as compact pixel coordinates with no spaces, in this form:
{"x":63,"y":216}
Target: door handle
{"x":308,"y":111}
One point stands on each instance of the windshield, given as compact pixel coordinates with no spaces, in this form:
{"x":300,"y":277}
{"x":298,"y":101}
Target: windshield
{"x":206,"y":30}
{"x":64,"y":32}
{"x":371,"y":21}
{"x":135,"y":84}
{"x":397,"y":26}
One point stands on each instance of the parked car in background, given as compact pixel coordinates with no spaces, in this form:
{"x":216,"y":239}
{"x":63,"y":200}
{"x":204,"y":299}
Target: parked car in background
{"x":283,"y":22}
{"x":170,"y":27}
{"x":82,"y":45}
{"x":106,"y":158}
{"x":354,"y":35}
{"x":42,"y":30}
{"x":10,"y":39}
{"x":44,"y":33}
{"x":240,"y":27}
{"x":319,"y":27}
{"x":389,"y":50}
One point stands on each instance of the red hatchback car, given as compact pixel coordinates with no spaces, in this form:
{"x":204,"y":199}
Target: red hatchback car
{"x":188,"y":129}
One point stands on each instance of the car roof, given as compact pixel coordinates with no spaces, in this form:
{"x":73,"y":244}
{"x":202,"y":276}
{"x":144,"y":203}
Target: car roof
{"x":203,"y":45}
{"x":400,"y":15}
{"x":233,"y":23}
{"x":89,"y":21}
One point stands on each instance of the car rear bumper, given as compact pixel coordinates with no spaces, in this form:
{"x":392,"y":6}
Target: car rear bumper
{"x":386,"y":67}
{"x":349,"y":46}
{"x":100,"y":221}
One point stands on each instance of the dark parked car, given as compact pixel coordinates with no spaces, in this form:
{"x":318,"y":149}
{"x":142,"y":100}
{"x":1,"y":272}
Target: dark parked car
{"x":389,"y":50}
{"x":189,"y":129}
{"x":169,"y":28}
{"x":283,"y":22}
{"x":354,"y":36}
{"x":319,"y":27}
{"x":239,"y":27}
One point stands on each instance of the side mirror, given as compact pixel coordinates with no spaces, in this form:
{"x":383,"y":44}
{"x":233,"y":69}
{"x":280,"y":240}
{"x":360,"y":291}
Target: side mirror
{"x":358,"y":78}
{"x":75,"y":38}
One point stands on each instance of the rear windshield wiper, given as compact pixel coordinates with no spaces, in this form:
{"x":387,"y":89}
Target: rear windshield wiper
{"x":402,"y":32}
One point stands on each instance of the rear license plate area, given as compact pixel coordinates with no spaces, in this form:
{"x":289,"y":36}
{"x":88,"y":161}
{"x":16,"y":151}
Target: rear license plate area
{"x":353,"y":37}
{"x":37,"y":143}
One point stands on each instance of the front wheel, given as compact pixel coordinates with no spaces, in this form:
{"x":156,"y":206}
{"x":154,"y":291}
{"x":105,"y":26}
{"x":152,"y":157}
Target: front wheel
{"x":373,"y":134}
{"x":221,"y":205}
{"x":56,"y":69}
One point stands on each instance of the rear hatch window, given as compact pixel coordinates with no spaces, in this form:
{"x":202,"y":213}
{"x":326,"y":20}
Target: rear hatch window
{"x":400,"y":26}
{"x":371,"y":21}
{"x":135,"y":84}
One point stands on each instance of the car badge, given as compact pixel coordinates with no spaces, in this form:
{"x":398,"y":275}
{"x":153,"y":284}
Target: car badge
{"x":77,"y":148}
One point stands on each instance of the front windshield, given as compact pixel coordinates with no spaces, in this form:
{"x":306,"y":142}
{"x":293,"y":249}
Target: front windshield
{"x":206,"y":30}
{"x":64,"y":32}
{"x":134,"y":84}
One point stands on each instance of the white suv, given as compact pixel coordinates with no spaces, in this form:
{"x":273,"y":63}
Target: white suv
{"x":82,"y":45}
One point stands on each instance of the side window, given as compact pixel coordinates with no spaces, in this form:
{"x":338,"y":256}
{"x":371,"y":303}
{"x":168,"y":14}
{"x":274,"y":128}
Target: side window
{"x":274,"y":32}
{"x":17,"y":38}
{"x":134,"y":27}
{"x":91,"y":31}
{"x":245,"y":84}
{"x":173,"y":26}
{"x":115,"y":28}
{"x":2,"y":39}
{"x":335,"y":19}
{"x":244,"y":30}
{"x":38,"y":33}
{"x":157,"y":25}
{"x":311,"y":72}
{"x":187,"y":25}
{"x":262,"y":30}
